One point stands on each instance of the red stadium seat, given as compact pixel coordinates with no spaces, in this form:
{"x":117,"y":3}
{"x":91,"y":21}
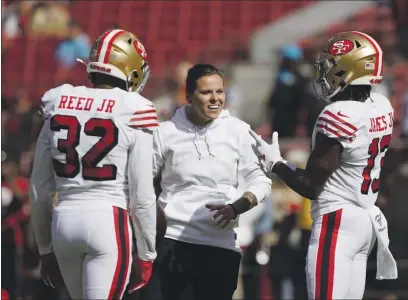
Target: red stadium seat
{"x":170,"y":30}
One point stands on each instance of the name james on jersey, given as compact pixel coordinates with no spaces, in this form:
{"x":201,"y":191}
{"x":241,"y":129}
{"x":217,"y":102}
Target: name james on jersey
{"x":382,"y":122}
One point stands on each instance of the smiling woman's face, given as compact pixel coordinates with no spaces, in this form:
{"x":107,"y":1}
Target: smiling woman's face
{"x":208,"y":99}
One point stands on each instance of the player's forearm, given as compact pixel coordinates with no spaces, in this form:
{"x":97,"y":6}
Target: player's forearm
{"x":42,"y":191}
{"x":143,"y":217}
{"x":41,"y":218}
{"x":297,"y":180}
{"x":245,"y":203}
{"x":142,"y":205}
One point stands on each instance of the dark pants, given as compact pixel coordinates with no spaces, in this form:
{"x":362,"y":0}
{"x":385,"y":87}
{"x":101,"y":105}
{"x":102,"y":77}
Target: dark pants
{"x":193,"y":272}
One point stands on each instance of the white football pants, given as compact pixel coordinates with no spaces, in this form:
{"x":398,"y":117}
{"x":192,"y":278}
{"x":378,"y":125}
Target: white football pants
{"x":337,"y":256}
{"x":92,"y":244}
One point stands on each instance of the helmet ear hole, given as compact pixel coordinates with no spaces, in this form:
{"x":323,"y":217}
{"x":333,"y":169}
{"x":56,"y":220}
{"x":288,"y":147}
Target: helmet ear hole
{"x":132,"y":79}
{"x":340,"y":74}
{"x":358,"y":45}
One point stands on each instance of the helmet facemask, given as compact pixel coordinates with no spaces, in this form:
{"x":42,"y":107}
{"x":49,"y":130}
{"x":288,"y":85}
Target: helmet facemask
{"x":323,"y":67}
{"x":330,"y":80}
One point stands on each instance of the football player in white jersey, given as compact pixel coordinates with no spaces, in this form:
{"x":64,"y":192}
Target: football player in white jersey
{"x":342,"y":176}
{"x":95,"y":150}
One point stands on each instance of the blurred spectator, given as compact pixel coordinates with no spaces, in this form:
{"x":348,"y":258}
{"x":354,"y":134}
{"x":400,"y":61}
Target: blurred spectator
{"x":76,"y":45}
{"x":5,"y":295}
{"x":405,"y":113}
{"x":165,"y":103}
{"x":400,"y":13}
{"x":234,"y":98}
{"x":286,"y":99}
{"x":253,"y":226}
{"x":5,"y":116}
{"x":22,"y":121}
{"x":174,"y":96}
{"x":181,"y":75}
{"x":48,"y":19}
{"x":14,"y":20}
{"x":14,"y":192}
{"x":10,"y":22}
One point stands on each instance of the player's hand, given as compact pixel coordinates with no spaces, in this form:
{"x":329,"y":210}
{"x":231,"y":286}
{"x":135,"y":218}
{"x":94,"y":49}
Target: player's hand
{"x":140,"y":275}
{"x":270,"y":153}
{"x":225,"y":213}
{"x":50,"y":271}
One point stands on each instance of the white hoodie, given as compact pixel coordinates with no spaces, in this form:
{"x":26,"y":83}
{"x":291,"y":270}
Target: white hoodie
{"x":201,"y":165}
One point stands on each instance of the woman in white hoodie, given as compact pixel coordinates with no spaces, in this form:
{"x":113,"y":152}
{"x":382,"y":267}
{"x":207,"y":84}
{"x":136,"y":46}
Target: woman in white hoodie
{"x":200,"y":154}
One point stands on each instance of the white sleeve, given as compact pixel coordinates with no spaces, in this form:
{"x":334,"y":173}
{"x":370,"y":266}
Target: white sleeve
{"x":255,"y":180}
{"x":48,"y":102}
{"x":142,"y":205}
{"x":333,"y":123}
{"x":42,"y":190}
{"x":158,"y":158}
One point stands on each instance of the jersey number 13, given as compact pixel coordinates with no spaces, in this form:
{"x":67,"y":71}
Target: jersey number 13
{"x":376,"y":147}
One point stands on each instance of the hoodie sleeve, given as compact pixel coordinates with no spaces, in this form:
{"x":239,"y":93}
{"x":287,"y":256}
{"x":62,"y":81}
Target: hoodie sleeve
{"x":256,"y":181}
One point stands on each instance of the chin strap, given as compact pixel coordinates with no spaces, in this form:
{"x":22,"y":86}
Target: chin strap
{"x":328,"y":97}
{"x":85,"y":64}
{"x":81,"y":61}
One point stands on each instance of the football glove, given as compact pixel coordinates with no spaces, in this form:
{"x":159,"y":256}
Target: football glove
{"x":141,"y":273}
{"x":270,"y":153}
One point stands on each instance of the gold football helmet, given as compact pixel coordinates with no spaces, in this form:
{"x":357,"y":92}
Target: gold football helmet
{"x":349,"y":58}
{"x":120,"y":54}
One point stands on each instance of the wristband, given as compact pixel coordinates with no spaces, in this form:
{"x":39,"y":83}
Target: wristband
{"x":234,"y":209}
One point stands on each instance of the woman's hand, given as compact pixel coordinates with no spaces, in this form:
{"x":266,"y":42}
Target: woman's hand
{"x":225,"y":213}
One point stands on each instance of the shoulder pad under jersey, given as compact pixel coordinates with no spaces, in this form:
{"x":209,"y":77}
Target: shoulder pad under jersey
{"x":49,"y":100}
{"x":140,"y":113}
{"x":338,"y":121}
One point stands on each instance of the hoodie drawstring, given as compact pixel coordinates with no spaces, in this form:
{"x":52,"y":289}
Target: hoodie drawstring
{"x":196,"y":143}
{"x":206,"y":142}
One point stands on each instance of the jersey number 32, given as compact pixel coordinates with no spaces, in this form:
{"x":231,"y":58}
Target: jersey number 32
{"x":103,"y":128}
{"x":376,"y":147}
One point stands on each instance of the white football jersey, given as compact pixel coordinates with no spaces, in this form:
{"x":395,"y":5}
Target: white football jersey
{"x":91,"y":132}
{"x":364,"y":129}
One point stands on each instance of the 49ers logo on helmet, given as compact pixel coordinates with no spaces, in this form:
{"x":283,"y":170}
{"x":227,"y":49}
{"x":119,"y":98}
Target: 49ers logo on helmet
{"x":140,"y":49}
{"x":341,"y":47}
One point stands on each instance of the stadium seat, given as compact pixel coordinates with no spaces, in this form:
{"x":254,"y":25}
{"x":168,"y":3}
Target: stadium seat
{"x":170,"y":30}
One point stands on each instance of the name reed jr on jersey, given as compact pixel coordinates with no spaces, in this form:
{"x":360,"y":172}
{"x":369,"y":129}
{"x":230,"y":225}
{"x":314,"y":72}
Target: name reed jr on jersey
{"x":83,"y":103}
